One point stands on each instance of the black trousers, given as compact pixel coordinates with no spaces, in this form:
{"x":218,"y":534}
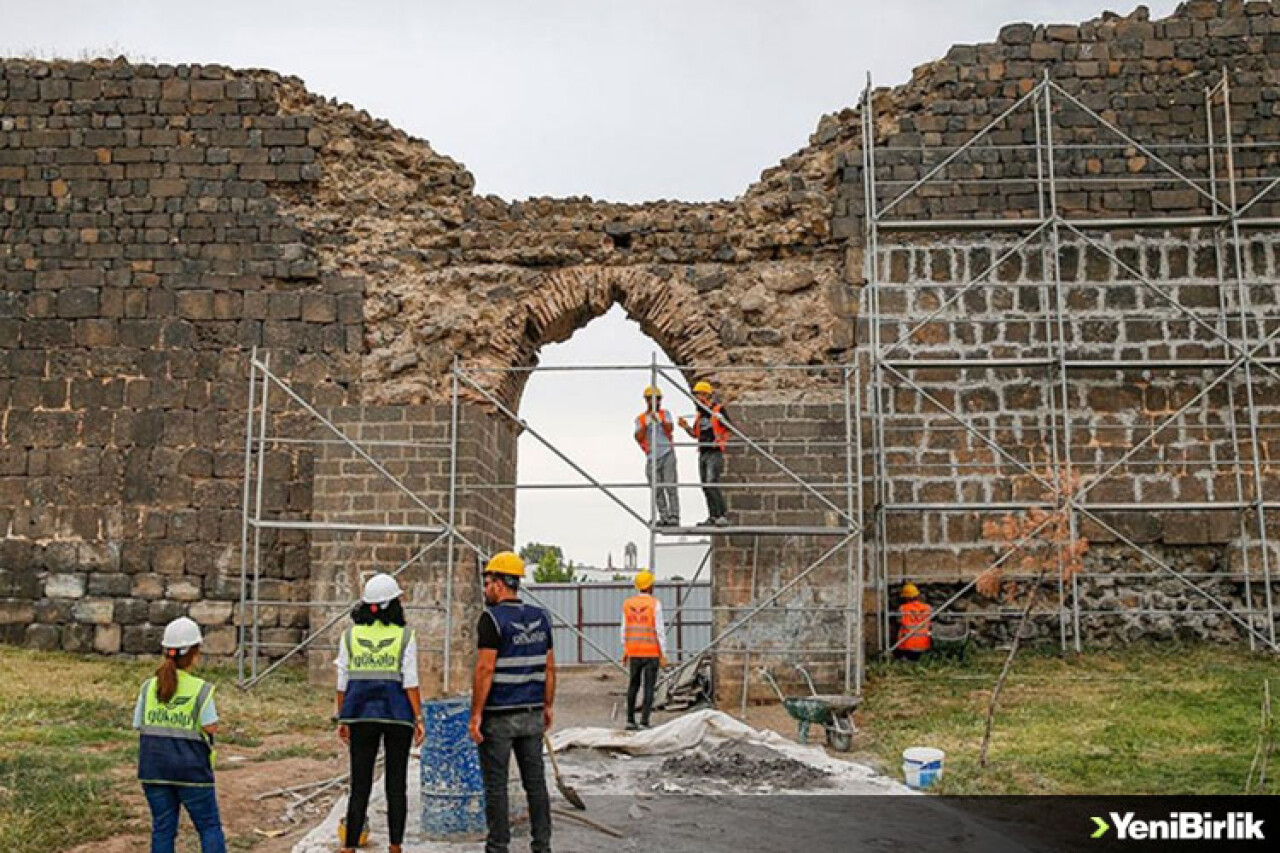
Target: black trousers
{"x":365,"y":738}
{"x":645,"y":669}
{"x":519,"y":732}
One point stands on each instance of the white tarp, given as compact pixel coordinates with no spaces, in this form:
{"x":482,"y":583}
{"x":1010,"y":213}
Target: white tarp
{"x":711,"y":728}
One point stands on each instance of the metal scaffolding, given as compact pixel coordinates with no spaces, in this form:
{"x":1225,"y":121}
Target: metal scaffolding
{"x":1245,"y":359}
{"x":843,"y":498}
{"x":858,"y":505}
{"x":846,"y":505}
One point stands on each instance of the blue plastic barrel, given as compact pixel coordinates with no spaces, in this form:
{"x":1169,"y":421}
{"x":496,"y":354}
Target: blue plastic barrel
{"x":452,"y":790}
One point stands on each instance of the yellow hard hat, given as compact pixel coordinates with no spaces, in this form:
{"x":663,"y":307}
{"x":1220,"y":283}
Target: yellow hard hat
{"x":644,"y":580}
{"x":909,"y":591}
{"x":703,"y":387}
{"x":505,"y":563}
{"x":652,"y":391}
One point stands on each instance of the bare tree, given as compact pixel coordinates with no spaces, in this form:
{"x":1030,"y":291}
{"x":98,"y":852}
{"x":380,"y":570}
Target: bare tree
{"x":1044,"y":538}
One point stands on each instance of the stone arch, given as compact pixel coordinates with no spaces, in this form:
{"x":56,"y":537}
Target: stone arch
{"x":564,"y":301}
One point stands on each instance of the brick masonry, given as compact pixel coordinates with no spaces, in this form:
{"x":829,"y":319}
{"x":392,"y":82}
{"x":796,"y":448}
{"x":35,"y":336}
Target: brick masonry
{"x":807,"y":624}
{"x":412,"y":444}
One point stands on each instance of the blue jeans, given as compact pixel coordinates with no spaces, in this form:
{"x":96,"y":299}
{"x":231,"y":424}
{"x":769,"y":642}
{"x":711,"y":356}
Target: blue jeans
{"x":201,"y":805}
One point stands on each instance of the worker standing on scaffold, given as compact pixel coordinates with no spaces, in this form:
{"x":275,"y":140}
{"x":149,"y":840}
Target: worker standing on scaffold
{"x":710,"y":430}
{"x":653,"y":434}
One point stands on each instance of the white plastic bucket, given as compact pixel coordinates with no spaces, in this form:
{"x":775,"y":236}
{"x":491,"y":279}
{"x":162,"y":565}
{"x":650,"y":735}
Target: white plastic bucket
{"x":922,"y":766}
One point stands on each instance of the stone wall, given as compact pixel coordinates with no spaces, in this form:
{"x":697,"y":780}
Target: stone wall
{"x":142,"y":252}
{"x":1144,"y":295}
{"x":157,"y":222}
{"x":805,"y":625}
{"x":412,"y":443}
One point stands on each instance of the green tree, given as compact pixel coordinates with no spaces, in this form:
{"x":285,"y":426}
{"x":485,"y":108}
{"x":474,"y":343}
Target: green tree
{"x":533,"y":552}
{"x":548,"y":563}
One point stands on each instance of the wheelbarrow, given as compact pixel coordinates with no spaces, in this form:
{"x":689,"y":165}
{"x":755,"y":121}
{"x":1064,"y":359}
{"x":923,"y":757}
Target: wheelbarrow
{"x":833,"y":712}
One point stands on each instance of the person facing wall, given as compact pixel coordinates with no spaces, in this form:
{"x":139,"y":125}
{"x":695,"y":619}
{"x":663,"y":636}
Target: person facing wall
{"x":378,"y":704}
{"x":176,"y":721}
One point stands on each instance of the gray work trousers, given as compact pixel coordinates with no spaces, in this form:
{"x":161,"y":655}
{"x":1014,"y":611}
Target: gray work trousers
{"x":666,"y":495}
{"x":711,"y":469}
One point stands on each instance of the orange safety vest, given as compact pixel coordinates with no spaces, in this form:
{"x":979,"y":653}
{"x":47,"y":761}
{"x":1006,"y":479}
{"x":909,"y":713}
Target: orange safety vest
{"x":664,"y":420}
{"x":639,"y":624}
{"x":913,"y":630}
{"x":718,"y":429}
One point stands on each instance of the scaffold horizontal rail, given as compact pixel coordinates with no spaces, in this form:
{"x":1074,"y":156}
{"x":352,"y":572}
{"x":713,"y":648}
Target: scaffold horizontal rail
{"x":753,"y":531}
{"x":1070,"y":364}
{"x":344,"y":526}
{"x":1016,"y":223}
{"x":332,"y":605}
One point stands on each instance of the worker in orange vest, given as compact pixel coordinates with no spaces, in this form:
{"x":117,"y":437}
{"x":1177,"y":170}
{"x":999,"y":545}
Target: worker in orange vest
{"x":914,"y":617}
{"x":653,"y":434}
{"x":709,"y":429}
{"x":644,"y":646}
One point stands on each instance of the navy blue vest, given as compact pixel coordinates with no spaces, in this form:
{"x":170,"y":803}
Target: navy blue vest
{"x":520,"y":673}
{"x":172,"y":755}
{"x":375,"y":699}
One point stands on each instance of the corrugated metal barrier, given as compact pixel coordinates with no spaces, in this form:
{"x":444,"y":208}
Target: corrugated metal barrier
{"x":595,"y":609}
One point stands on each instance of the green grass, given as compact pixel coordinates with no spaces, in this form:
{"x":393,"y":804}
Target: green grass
{"x":67,"y":749}
{"x":1148,"y":720}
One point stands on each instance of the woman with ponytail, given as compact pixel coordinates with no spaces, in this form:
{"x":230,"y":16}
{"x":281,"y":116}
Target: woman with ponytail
{"x":176,"y":720}
{"x":378,"y":703}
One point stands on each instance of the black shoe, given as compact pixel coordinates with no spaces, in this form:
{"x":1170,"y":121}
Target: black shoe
{"x":707,"y":522}
{"x":632,"y":727}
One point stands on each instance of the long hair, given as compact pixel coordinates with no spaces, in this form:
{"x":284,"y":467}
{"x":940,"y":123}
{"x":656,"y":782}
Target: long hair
{"x":167,"y":674}
{"x":391,"y":613}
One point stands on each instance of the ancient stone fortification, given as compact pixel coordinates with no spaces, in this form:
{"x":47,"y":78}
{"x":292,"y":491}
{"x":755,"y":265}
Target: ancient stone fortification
{"x":158,"y":221}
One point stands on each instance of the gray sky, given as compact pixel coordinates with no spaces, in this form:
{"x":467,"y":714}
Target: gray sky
{"x":616,"y":99}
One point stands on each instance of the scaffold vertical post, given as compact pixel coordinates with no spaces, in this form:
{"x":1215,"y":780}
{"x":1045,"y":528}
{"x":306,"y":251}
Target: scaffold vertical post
{"x":242,"y":617}
{"x":1224,"y":329}
{"x":1246,"y":341}
{"x":450,"y":540}
{"x":850,"y":678}
{"x":257,"y":510}
{"x":651,"y":408}
{"x":1063,"y":501}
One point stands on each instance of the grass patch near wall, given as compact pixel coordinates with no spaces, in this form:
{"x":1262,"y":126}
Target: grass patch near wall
{"x":1150,"y":719}
{"x":67,"y":749}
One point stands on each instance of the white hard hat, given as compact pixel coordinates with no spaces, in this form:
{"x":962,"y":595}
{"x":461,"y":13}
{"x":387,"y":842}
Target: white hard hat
{"x":380,"y":589}
{"x":181,"y":633}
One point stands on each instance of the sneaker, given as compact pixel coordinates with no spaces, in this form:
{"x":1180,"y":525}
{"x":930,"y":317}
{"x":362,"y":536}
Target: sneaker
{"x":644,"y":727}
{"x":632,"y":727}
{"x":722,"y":521}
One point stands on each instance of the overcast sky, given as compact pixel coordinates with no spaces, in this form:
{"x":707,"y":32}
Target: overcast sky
{"x":625,"y":100}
